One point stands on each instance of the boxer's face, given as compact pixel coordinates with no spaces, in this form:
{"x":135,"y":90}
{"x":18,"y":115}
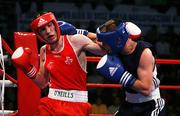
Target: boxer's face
{"x":129,"y":47}
{"x":124,"y":50}
{"x":48,"y":33}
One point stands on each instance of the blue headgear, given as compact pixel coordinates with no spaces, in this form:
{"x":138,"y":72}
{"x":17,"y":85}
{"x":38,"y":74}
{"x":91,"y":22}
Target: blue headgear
{"x":115,"y":39}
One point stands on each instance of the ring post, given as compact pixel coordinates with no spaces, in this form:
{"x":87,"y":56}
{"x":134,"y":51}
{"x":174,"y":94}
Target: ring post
{"x":28,"y":92}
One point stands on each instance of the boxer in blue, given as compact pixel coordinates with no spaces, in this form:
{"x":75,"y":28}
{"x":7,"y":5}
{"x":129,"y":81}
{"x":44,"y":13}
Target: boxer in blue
{"x":131,"y":63}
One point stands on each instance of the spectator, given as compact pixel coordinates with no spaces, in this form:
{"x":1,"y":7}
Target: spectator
{"x":99,"y":107}
{"x":162,"y":48}
{"x":114,"y":106}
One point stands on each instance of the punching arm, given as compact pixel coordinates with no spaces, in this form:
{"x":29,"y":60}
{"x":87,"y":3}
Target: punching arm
{"x":21,"y":59}
{"x":42,"y":77}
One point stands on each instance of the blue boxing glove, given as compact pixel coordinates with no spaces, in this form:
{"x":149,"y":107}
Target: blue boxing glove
{"x":66,"y":28}
{"x":111,"y":68}
{"x":69,"y":29}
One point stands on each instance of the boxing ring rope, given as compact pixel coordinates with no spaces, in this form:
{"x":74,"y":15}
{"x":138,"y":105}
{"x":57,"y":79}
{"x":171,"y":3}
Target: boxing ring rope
{"x":3,"y":75}
{"x":165,"y":87}
{"x":158,"y":61}
{"x":11,"y":82}
{"x":6,"y":47}
{"x":10,"y":51}
{"x":95,"y":59}
{"x":9,"y":77}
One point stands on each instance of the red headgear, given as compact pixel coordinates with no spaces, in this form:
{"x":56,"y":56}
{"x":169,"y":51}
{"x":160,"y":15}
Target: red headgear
{"x":43,"y":20}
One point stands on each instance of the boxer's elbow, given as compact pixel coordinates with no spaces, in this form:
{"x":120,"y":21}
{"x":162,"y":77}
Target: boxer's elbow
{"x":41,"y":82}
{"x":146,"y":90}
{"x":42,"y":86}
{"x":143,"y":88}
{"x":146,"y":93}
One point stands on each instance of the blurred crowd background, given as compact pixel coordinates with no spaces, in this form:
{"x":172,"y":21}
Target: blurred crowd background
{"x":158,"y":19}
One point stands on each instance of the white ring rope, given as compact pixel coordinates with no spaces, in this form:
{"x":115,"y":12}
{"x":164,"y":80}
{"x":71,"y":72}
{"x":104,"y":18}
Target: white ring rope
{"x":8,"y":83}
{"x":7,"y":112}
{"x":3,"y":79}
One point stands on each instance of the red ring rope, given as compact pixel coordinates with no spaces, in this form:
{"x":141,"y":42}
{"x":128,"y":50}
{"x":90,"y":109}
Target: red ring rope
{"x":158,"y":61}
{"x":6,"y":47}
{"x":9,"y":77}
{"x":171,"y":87}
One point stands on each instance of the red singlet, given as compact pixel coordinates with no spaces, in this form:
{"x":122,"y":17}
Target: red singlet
{"x":66,"y":76}
{"x":66,"y":72}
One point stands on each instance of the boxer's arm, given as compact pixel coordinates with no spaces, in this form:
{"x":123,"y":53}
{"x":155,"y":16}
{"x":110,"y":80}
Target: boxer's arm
{"x":96,"y":47}
{"x":82,"y":42}
{"x":42,"y":77}
{"x":92,"y":36}
{"x":144,"y":82}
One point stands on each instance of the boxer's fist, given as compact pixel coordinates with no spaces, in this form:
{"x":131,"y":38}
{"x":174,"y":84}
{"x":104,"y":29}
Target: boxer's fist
{"x":21,"y":59}
{"x":111,"y":67}
{"x":66,"y":28}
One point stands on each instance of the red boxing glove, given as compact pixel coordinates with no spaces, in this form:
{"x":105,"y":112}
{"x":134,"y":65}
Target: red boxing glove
{"x":21,"y":59}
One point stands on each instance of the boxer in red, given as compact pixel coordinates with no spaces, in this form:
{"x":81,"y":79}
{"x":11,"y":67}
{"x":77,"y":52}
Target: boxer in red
{"x":62,"y":67}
